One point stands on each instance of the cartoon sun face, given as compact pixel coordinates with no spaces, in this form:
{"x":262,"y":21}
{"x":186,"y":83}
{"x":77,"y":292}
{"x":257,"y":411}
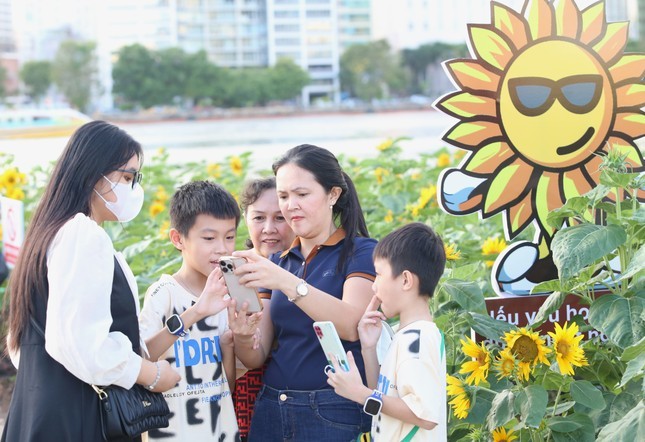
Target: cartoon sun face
{"x":536,"y":98}
{"x":548,"y":91}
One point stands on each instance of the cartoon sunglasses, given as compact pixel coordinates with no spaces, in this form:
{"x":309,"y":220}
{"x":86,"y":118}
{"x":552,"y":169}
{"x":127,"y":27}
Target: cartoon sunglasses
{"x":533,"y":96}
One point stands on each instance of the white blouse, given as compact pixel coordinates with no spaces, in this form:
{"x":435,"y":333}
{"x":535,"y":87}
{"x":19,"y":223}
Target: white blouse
{"x":80,"y":263}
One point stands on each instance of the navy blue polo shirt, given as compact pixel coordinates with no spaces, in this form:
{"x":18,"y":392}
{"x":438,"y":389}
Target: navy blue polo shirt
{"x":298,"y":361}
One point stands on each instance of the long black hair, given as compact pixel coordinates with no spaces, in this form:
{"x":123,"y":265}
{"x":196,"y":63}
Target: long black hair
{"x":327,"y":171}
{"x":94,"y":150}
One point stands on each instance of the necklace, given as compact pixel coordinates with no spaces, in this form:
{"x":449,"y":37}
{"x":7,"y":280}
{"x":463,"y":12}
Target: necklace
{"x":184,"y":285}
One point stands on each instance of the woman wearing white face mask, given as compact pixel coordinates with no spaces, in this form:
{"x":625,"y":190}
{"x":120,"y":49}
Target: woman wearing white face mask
{"x":70,"y":282}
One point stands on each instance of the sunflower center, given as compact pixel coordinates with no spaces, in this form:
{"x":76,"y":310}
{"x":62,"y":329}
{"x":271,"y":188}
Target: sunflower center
{"x":525,"y":349}
{"x":563,"y":349}
{"x":507,"y":365}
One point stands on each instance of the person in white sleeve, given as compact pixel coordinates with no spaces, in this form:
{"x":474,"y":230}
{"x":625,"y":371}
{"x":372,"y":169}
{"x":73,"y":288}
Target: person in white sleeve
{"x":70,"y":282}
{"x":407,"y":397}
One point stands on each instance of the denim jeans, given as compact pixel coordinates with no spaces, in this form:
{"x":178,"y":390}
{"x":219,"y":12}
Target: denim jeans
{"x":302,"y":416}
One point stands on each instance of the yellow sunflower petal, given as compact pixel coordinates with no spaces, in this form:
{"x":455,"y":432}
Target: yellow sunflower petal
{"x":630,"y":95}
{"x":634,"y":155}
{"x":471,"y":75}
{"x":567,"y":19}
{"x":611,"y":45}
{"x":507,"y":186}
{"x":519,"y":216}
{"x":467,"y":105}
{"x":512,"y":24}
{"x":471,"y":134}
{"x":547,"y":197}
{"x":593,"y":22}
{"x":490,"y":46}
{"x":489,"y":158}
{"x":630,"y":67}
{"x":540,"y":18}
{"x":631,"y":124}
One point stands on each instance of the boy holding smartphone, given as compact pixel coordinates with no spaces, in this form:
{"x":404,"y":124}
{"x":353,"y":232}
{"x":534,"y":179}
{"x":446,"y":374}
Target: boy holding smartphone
{"x":204,"y":219}
{"x":406,"y":395}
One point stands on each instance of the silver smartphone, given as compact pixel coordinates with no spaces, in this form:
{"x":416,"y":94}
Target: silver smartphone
{"x":330,"y":343}
{"x":236,"y":290}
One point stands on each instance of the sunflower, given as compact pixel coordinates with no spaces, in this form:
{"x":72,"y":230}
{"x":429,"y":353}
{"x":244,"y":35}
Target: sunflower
{"x":163,"y":230}
{"x":567,"y":348}
{"x":10,"y":178}
{"x":547,"y":93}
{"x":443,"y":160}
{"x":16,"y":193}
{"x":389,"y":217}
{"x":385,"y":145}
{"x":505,"y":363}
{"x":236,"y":165}
{"x":214,"y":170}
{"x":478,"y":367}
{"x":528,"y":348}
{"x":379,"y":172}
{"x":161,"y":195}
{"x":500,"y":435}
{"x":461,"y":401}
{"x":493,"y":246}
{"x":156,"y":208}
{"x":452,"y":254}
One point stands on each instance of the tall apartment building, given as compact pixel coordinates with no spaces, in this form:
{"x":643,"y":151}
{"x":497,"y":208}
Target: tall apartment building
{"x":354,"y":22}
{"x":8,"y":56}
{"x":622,"y":10}
{"x":306,"y":31}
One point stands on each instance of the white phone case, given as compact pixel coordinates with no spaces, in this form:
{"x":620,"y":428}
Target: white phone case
{"x":236,"y":290}
{"x":330,"y":343}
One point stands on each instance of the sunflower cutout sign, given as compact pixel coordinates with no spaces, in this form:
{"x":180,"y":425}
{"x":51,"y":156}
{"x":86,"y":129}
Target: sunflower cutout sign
{"x":547,"y":93}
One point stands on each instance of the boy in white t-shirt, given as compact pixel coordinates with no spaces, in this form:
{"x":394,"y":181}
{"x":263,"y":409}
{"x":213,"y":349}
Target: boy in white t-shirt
{"x":203,"y":219}
{"x":407,"y":396}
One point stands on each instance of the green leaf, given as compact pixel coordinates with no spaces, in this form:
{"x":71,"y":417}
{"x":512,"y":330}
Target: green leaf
{"x":584,"y":392}
{"x":465,"y":272}
{"x":579,"y":246}
{"x":634,"y":368}
{"x":531,"y":403}
{"x":502,"y":410}
{"x":481,"y":402}
{"x":626,"y":429}
{"x":574,"y":206}
{"x":552,"y":303}
{"x":467,"y":294}
{"x":617,"y":179}
{"x":620,"y":319}
{"x":636,"y":265}
{"x":583,"y":432}
{"x":560,"y":408}
{"x":633,"y":351}
{"x":597,"y":194}
{"x":488,"y":327}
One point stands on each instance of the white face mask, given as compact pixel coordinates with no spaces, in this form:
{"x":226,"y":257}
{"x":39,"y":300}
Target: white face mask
{"x":129,"y":200}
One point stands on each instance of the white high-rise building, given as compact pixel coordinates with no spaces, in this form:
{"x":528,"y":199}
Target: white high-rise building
{"x":7,"y":43}
{"x":306,"y":31}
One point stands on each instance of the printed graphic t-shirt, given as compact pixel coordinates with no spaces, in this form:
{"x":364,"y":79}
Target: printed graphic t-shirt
{"x":414,"y":370}
{"x":201,"y":404}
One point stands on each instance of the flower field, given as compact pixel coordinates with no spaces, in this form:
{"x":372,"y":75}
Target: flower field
{"x":523,"y":385}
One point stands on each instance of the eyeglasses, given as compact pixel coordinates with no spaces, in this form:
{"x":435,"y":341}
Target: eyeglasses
{"x":136,"y":175}
{"x":533,"y":96}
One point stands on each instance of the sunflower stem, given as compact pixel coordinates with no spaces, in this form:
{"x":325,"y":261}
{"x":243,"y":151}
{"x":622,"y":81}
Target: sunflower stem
{"x":555,"y":406}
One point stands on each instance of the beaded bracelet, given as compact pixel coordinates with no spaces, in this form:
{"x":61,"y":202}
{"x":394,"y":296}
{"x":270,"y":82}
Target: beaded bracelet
{"x":154,"y":384}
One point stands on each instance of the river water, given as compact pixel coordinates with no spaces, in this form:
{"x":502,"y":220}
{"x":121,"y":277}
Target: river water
{"x":266,"y":137}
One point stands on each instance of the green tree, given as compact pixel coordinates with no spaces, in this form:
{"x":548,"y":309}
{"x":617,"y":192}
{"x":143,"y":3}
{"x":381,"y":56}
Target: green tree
{"x":205,"y":80}
{"x":248,"y":87}
{"x":173,"y":72}
{"x":134,"y":76}
{"x":418,"y":60}
{"x":286,"y":79}
{"x":37,"y":77}
{"x":371,"y":70}
{"x":74,"y":72}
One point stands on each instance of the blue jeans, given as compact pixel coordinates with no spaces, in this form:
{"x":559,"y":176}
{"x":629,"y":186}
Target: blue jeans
{"x":302,"y":416}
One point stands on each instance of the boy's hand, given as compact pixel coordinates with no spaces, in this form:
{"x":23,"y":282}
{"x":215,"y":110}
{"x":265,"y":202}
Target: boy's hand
{"x":369,"y":327}
{"x":347,"y":384}
{"x":212,"y":301}
{"x":242,"y":325}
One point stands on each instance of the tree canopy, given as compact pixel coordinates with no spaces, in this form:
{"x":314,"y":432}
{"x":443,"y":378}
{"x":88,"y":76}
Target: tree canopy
{"x":75,"y":72}
{"x":37,"y":77}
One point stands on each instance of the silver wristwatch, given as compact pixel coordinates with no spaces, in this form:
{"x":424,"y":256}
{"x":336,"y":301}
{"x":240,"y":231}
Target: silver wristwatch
{"x":302,"y":290}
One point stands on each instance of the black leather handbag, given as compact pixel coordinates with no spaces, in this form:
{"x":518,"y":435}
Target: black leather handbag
{"x":128,"y":413}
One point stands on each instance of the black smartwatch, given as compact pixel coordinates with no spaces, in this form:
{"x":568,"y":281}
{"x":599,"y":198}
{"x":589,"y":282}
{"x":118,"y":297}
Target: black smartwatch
{"x":373,"y":403}
{"x":175,"y":326}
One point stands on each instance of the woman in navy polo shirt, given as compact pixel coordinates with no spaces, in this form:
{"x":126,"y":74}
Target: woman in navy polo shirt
{"x":326,"y":275}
